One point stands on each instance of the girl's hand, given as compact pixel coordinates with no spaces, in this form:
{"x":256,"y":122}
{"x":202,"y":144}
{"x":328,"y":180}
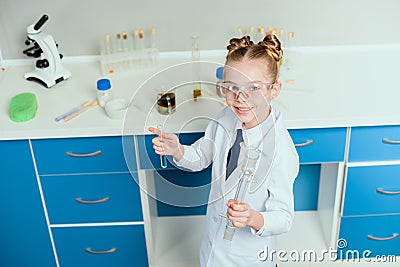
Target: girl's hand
{"x":242,"y":215}
{"x":167,"y":144}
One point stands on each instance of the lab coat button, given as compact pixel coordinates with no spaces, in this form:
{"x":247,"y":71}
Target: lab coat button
{"x":215,"y":218}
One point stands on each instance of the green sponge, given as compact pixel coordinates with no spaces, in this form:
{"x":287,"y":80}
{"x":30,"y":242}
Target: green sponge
{"x":22,"y":107}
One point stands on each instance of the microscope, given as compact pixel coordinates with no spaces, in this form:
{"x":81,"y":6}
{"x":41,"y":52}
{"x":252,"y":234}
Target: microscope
{"x":48,"y":70}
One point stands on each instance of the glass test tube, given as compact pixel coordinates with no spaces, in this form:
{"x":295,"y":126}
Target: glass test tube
{"x":107,"y":46}
{"x":125,"y":44}
{"x":119,"y":43}
{"x":251,"y":33}
{"x":153,"y":37}
{"x":140,"y":41}
{"x":163,"y":159}
{"x":261,"y":32}
{"x":196,"y":57}
{"x":135,"y":39}
{"x":289,"y":47}
{"x":249,"y":168}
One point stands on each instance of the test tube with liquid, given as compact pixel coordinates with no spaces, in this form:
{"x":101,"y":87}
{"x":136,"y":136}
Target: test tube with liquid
{"x":118,"y":43}
{"x":140,"y":41}
{"x":163,"y":158}
{"x":196,"y":57}
{"x":125,"y":44}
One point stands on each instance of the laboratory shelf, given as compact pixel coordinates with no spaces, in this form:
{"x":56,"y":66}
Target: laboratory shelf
{"x":306,"y":234}
{"x":188,"y":230}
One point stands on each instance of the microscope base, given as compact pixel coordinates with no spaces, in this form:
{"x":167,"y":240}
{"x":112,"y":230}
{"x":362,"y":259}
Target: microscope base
{"x":45,"y":79}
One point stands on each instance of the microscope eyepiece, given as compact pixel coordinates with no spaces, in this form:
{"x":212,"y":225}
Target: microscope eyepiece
{"x":40,"y":22}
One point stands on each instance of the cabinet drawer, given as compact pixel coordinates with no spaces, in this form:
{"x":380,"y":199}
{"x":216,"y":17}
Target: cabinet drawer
{"x":377,"y":234}
{"x":84,"y":155}
{"x":374,"y":143}
{"x":24,"y":235}
{"x":320,"y":145}
{"x":115,"y":246}
{"x":150,"y":160}
{"x":372,"y":190}
{"x":92,"y":198}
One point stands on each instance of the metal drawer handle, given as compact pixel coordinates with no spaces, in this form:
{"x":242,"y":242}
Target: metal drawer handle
{"x":111,"y":250}
{"x":82,"y":201}
{"x":98,"y":152}
{"x":380,"y":190}
{"x":307,"y":143}
{"x":389,"y":141}
{"x":383,"y":238}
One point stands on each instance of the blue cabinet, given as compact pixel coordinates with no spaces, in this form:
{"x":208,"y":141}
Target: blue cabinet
{"x":89,"y":183}
{"x":306,"y":187}
{"x":92,"y":198}
{"x":25,"y":239}
{"x":84,"y":155}
{"x":374,"y":143}
{"x":320,"y":145}
{"x":101,"y":246}
{"x":370,"y":222}
{"x":372,"y":190}
{"x":369,"y":236}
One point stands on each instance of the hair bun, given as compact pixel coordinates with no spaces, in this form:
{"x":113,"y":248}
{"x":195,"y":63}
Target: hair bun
{"x":272,"y":46}
{"x":236,"y":44}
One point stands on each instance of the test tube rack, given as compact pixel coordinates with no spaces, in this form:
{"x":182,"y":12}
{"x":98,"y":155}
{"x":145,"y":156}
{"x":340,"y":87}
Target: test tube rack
{"x":123,"y":52}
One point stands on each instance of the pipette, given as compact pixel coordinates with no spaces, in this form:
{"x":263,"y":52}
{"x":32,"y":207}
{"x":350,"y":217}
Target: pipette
{"x":72,"y":111}
{"x":248,"y":171}
{"x":163,"y":159}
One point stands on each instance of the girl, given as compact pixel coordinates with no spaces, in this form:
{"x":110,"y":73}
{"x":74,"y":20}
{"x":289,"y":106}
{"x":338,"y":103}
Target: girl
{"x":250,"y":83}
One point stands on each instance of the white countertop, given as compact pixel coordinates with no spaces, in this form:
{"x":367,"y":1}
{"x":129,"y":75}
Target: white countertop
{"x":334,"y":86}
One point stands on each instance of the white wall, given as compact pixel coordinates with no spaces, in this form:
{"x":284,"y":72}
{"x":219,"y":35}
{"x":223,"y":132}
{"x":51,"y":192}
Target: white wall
{"x":78,"y":25}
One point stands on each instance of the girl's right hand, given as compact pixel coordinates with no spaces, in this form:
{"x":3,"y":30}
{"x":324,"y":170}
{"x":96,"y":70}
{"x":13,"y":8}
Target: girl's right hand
{"x":167,"y":145}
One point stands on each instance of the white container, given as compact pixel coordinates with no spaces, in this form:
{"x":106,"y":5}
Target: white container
{"x":103,"y":91}
{"x":116,"y":108}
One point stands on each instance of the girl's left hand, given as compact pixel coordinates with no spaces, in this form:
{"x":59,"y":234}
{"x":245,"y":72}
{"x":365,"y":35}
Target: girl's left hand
{"x":239,"y":213}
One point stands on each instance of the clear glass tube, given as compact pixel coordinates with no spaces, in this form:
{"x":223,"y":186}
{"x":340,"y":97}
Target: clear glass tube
{"x":248,"y":171}
{"x":119,"y":43}
{"x":125,"y":44}
{"x":153,"y":37}
{"x":140,"y":41}
{"x":163,"y":159}
{"x":289,"y":51}
{"x":196,"y":57}
{"x":107,"y":45}
{"x":195,"y":48}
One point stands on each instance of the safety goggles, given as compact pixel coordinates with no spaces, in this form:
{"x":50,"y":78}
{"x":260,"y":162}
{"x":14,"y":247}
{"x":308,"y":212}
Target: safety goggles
{"x":251,"y":89}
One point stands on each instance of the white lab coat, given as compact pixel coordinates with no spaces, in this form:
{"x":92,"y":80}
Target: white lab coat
{"x":271,"y":194}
